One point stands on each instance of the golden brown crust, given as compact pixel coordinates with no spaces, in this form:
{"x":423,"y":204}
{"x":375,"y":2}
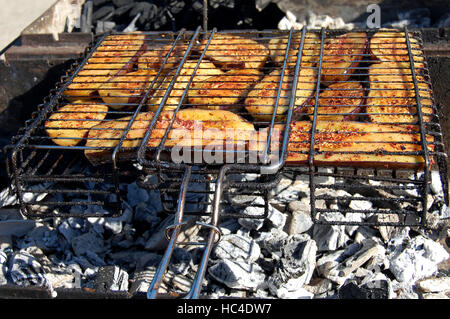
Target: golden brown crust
{"x":71,"y":123}
{"x":192,"y":127}
{"x":341,"y":56}
{"x":205,"y":70}
{"x":260,"y":102}
{"x":122,"y":90}
{"x":388,"y":46}
{"x":310,"y":53}
{"x":332,"y":138}
{"x":224,"y":91}
{"x":154,"y":58}
{"x":112,"y":57}
{"x":391,"y":98}
{"x":336,"y":100}
{"x":235,"y":52}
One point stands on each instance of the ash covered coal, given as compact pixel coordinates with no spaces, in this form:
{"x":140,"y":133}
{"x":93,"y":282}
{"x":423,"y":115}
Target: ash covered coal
{"x":282,"y":256}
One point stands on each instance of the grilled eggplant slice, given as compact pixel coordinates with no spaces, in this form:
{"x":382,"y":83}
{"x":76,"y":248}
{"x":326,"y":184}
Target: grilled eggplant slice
{"x":71,"y":123}
{"x":389,"y":45}
{"x":338,"y":102}
{"x":392,"y":97}
{"x":341,"y":56}
{"x":154,"y":58}
{"x":117,"y":52}
{"x":310,"y":54}
{"x":191,"y":128}
{"x":114,"y":56}
{"x":261,"y":100}
{"x":205,"y":70}
{"x":234,"y":52}
{"x":357,"y":144}
{"x":85,"y":85}
{"x":122,"y":90}
{"x":224,"y":91}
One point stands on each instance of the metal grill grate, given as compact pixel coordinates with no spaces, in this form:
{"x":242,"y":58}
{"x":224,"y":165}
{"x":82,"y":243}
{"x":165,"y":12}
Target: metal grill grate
{"x":361,"y":122}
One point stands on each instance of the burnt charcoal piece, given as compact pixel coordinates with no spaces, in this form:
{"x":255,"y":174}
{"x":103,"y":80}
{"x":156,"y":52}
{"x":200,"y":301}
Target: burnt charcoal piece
{"x":98,"y":3}
{"x":147,"y":10}
{"x":378,"y":290}
{"x":176,"y":6}
{"x":123,"y":9}
{"x":111,"y":278}
{"x":120,"y":3}
{"x":103,"y":13}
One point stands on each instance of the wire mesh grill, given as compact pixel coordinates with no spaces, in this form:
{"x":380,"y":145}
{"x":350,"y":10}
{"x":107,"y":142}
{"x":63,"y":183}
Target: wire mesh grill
{"x":214,"y":117}
{"x":167,"y":101}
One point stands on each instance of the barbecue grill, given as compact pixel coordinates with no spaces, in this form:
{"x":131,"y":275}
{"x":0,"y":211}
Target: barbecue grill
{"x":72,"y":181}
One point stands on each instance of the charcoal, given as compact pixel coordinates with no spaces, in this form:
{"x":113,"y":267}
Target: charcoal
{"x":25,"y":270}
{"x":344,"y":270}
{"x":122,"y":10}
{"x":295,"y":267}
{"x":104,"y":26}
{"x":3,"y":267}
{"x":147,"y":10}
{"x":330,"y":237}
{"x":16,"y":227}
{"x":121,"y":3}
{"x":415,"y":260}
{"x":277,"y":218}
{"x":181,"y":261}
{"x":176,"y":6}
{"x":103,"y":13}
{"x":100,"y":2}
{"x":238,"y":274}
{"x":111,"y":278}
{"x":434,"y":284}
{"x":221,"y":3}
{"x":237,"y":247}
{"x":301,"y":220}
{"x":300,"y":293}
{"x":353,"y":291}
{"x":42,"y":237}
{"x":197,"y":6}
{"x":89,"y":241}
{"x":136,"y":195}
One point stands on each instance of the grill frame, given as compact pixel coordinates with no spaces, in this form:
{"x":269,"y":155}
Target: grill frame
{"x":164,"y":166}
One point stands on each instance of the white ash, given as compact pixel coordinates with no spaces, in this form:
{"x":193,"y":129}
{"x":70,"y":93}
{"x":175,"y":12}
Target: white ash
{"x":411,"y":259}
{"x":237,"y":247}
{"x":295,"y":267}
{"x":313,"y":21}
{"x":277,"y":218}
{"x":249,"y":262}
{"x":238,"y":274}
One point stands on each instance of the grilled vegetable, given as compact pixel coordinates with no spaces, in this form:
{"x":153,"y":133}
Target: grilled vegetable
{"x":235,"y":52}
{"x":392,"y":97}
{"x":85,"y":85}
{"x":114,"y":56}
{"x":223,"y":91}
{"x":116,"y":52}
{"x":71,"y":123}
{"x":341,"y":56}
{"x":310,"y":53}
{"x":261,"y":100}
{"x":338,"y":102}
{"x":192,"y":127}
{"x":357,"y":144}
{"x":205,"y":70}
{"x":388,"y":46}
{"x":122,"y":90}
{"x":154,"y":58}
